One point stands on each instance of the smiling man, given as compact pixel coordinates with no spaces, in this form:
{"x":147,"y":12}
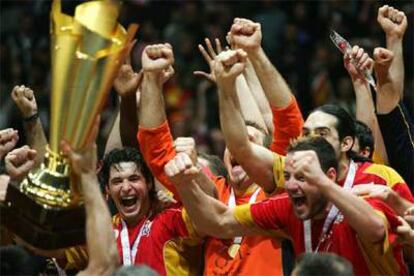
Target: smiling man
{"x":360,"y":230}
{"x":143,"y":236}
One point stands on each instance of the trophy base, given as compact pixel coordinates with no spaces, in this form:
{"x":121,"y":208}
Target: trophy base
{"x":42,"y":226}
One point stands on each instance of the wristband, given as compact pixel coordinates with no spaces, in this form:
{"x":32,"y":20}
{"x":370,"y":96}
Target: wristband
{"x":31,"y":118}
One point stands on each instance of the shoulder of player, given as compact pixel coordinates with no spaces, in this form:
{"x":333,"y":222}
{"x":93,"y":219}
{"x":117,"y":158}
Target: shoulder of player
{"x":387,"y":173}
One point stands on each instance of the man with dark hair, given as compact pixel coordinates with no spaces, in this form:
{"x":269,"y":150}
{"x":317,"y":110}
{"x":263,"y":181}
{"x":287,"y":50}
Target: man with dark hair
{"x":142,"y":235}
{"x":364,"y":140}
{"x":322,"y":264}
{"x":334,"y":220}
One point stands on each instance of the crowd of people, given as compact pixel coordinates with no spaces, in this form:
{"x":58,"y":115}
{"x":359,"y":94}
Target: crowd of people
{"x":286,"y":185}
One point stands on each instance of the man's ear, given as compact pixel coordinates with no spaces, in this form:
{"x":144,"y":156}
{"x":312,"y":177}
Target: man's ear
{"x":331,"y":174}
{"x":347,"y":143}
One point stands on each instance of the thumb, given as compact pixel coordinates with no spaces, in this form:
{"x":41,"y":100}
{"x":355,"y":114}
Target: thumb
{"x":31,"y":154}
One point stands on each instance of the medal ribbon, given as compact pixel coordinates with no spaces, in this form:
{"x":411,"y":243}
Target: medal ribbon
{"x":332,"y":215}
{"x":232,"y":204}
{"x":128,"y":254}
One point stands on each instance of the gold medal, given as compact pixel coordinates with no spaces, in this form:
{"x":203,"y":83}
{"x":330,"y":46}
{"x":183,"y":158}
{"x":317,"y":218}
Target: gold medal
{"x":233,"y":249}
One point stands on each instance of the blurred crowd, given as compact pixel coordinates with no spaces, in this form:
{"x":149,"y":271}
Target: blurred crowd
{"x":296,"y":39}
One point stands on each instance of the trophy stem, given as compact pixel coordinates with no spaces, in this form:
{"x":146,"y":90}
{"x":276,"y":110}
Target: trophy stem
{"x":52,"y":185}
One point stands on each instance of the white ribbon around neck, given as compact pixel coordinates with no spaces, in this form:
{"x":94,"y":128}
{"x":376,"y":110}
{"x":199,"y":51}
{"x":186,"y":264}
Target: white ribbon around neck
{"x":232,"y":204}
{"x":332,"y":215}
{"x":128,"y":253}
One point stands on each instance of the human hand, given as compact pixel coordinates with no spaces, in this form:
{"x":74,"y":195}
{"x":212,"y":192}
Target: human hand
{"x":186,"y":145}
{"x":158,"y":60}
{"x":19,"y":162}
{"x":165,"y":199}
{"x":388,"y":95}
{"x":127,"y":81}
{"x":228,"y":65}
{"x":25,"y":100}
{"x":83,"y":161}
{"x":181,"y":169}
{"x":405,"y":232}
{"x":246,"y":34}
{"x":209,"y":58}
{"x":356,"y":62}
{"x":4,"y":183}
{"x":392,"y":21}
{"x":409,"y":216}
{"x":8,"y":140}
{"x":306,"y":165}
{"x":381,"y":192}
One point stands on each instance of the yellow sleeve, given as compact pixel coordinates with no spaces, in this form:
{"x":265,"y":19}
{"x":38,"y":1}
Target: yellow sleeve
{"x":192,"y":233}
{"x":278,"y":170}
{"x":243,"y":215}
{"x":76,"y":258}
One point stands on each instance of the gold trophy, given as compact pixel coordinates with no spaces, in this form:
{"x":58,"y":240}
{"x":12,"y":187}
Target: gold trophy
{"x":46,"y":209}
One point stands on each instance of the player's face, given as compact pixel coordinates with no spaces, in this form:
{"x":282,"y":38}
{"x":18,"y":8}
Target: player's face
{"x":323,"y":124}
{"x":307,"y":200}
{"x":129,"y":189}
{"x":238,"y":177}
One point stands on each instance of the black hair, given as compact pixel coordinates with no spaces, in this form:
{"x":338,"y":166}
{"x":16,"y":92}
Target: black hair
{"x":323,"y":149}
{"x":126,"y":154}
{"x":345,"y":127}
{"x":365,"y":137}
{"x":310,"y":264}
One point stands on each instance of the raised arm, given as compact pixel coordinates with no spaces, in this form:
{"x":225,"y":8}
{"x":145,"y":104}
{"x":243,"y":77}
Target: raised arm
{"x":257,"y":161}
{"x":35,"y":135}
{"x":394,"y":24}
{"x":287,"y":117}
{"x":360,"y":215}
{"x":248,"y":105}
{"x":247,"y":35}
{"x":210,"y":216}
{"x":394,"y":121}
{"x":127,"y":86}
{"x":355,"y":62}
{"x":100,"y":240}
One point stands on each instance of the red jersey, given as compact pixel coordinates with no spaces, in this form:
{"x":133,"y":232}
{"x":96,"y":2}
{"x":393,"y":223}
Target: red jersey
{"x":157,"y":148}
{"x":161,"y":244}
{"x":368,"y":172}
{"x":276,"y":218}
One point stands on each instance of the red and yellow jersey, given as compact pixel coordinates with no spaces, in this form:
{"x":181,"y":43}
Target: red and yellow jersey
{"x":275,"y":217}
{"x":287,"y":125}
{"x":383,"y":175}
{"x":366,"y":173}
{"x":255,"y":252}
{"x":169,"y":237}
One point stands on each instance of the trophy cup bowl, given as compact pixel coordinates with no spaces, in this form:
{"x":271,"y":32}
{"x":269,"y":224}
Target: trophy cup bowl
{"x":46,"y":209}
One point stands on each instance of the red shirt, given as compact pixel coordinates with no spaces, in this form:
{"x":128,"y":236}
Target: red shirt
{"x":157,"y":246}
{"x":276,"y":217}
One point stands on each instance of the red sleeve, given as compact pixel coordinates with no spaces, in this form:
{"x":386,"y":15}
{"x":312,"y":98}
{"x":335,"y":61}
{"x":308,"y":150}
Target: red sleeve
{"x":156,"y":146}
{"x":273,"y":213}
{"x":404,"y":191}
{"x":177,"y":223}
{"x":287,"y":124}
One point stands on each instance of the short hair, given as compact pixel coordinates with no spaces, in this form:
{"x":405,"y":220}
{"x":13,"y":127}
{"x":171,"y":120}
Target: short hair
{"x":267,"y":139}
{"x":126,"y":154}
{"x":365,"y":137}
{"x":345,"y":125}
{"x":323,"y":149}
{"x":215,"y":164}
{"x":310,"y":264}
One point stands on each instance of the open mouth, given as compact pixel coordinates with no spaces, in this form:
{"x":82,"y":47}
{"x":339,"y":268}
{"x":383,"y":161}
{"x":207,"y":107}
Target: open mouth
{"x":129,"y":201}
{"x":298,"y":201}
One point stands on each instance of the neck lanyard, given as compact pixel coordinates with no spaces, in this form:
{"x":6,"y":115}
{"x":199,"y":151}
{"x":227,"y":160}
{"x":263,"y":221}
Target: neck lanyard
{"x":128,"y":253}
{"x":232,"y":204}
{"x":332,"y":215}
